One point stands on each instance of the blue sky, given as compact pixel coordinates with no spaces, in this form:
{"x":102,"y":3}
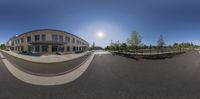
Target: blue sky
{"x":177,"y":20}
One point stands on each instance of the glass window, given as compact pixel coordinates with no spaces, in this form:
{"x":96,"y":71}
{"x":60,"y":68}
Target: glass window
{"x":22,"y":40}
{"x":29,"y":48}
{"x":68,"y":48}
{"x":15,"y":41}
{"x":43,"y":37}
{"x":18,"y":48}
{"x":54,"y":48}
{"x":44,"y":48}
{"x":28,"y":39}
{"x":54,"y":37}
{"x":61,"y":38}
{"x":74,"y":48}
{"x":37,"y":37}
{"x":61,"y":48}
{"x":22,"y":48}
{"x":67,"y":39}
{"x":73,"y":40}
{"x":37,"y":48}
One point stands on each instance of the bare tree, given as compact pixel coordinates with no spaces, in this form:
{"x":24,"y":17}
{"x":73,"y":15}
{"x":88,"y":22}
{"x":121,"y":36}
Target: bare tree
{"x":135,"y":40}
{"x":161,"y":42}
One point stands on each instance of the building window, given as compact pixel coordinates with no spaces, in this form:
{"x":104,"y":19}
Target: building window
{"x":15,"y":41}
{"x":37,"y":48}
{"x":61,"y":48}
{"x":29,"y":48}
{"x":74,"y":48}
{"x":43,"y":37}
{"x":18,"y":48}
{"x":28,"y":39}
{"x":44,"y":48}
{"x":68,"y":48}
{"x":12,"y":43}
{"x":77,"y":42}
{"x":22,"y":48}
{"x":61,"y":38}
{"x":67,"y":39}
{"x":54,"y":48}
{"x":37,"y":37}
{"x":73,"y":40}
{"x":54,"y":38}
{"x":22,"y":40}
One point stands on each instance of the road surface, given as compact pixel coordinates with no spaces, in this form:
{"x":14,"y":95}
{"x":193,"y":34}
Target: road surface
{"x":115,"y":77}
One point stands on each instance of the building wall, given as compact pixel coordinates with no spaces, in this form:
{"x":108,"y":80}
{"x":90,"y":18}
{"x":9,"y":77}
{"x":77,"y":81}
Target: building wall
{"x":74,"y":40}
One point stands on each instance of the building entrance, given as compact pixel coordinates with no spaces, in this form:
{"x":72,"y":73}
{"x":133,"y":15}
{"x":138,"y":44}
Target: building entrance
{"x":54,"y":48}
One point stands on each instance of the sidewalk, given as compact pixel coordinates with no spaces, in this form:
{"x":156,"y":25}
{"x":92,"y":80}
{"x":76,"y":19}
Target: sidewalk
{"x":47,"y":59}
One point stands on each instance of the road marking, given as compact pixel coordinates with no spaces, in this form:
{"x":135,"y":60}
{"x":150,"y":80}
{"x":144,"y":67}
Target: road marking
{"x":102,"y":52}
{"x":1,"y":55}
{"x":48,"y":81}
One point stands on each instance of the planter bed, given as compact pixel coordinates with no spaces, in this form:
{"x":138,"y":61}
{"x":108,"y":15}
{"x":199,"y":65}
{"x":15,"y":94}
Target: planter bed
{"x":148,"y":55}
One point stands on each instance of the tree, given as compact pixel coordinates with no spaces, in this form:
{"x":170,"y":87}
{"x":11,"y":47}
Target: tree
{"x":117,"y":45}
{"x":161,"y":42}
{"x":135,"y":40}
{"x":170,"y":46}
{"x":112,"y":47}
{"x":175,"y":44}
{"x":3,"y":46}
{"x":107,"y":48}
{"x":93,"y":46}
{"x":123,"y":46}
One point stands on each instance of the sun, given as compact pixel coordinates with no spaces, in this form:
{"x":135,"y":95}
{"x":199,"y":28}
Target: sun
{"x":100,"y":34}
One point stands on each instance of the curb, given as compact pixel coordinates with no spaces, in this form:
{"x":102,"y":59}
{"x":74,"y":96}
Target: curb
{"x":44,"y":62}
{"x":53,"y":74}
{"x":50,"y":80}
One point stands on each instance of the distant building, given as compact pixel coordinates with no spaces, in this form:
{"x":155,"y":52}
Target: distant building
{"x":10,"y":43}
{"x":47,"y":41}
{"x":97,"y":48}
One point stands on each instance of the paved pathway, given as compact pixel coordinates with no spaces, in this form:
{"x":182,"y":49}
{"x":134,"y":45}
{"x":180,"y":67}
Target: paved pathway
{"x":47,"y":68}
{"x":47,"y":59}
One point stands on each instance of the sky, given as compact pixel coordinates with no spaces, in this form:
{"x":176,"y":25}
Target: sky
{"x":176,"y":20}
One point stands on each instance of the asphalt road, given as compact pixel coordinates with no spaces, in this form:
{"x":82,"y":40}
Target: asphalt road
{"x":45,"y":68}
{"x":116,"y":77}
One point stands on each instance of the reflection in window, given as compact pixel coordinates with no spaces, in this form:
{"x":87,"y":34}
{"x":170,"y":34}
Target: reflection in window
{"x":73,"y":40}
{"x":28,"y":39}
{"x":37,"y":37}
{"x":54,"y":38}
{"x":61,"y":38}
{"x":67,"y":39}
{"x":44,"y":48}
{"x":43,"y":37}
{"x":22,"y":40}
{"x":37,"y":48}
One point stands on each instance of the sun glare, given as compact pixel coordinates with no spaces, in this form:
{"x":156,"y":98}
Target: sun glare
{"x":100,"y":34}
